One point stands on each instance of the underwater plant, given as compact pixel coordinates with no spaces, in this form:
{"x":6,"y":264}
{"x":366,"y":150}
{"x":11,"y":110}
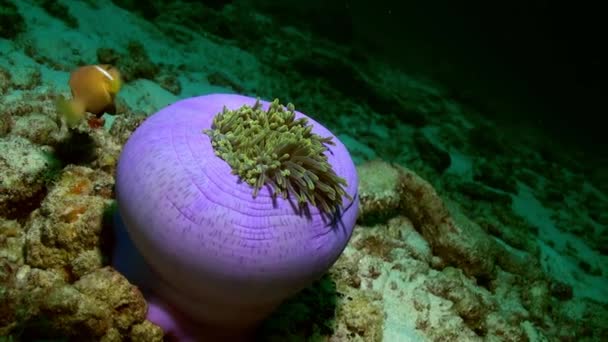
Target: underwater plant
{"x":270,"y":147}
{"x":210,"y":190}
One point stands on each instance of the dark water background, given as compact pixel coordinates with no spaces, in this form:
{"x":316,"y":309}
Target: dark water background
{"x":533,"y":62}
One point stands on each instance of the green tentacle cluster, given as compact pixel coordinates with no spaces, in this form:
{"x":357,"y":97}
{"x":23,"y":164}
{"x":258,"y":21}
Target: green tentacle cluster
{"x":273,"y":148}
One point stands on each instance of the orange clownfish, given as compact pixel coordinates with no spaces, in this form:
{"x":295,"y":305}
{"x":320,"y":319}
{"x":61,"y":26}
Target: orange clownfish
{"x":94,"y":88}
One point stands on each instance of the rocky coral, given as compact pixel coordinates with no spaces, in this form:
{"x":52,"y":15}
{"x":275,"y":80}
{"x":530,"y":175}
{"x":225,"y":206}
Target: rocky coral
{"x":41,"y":304}
{"x":59,"y":11}
{"x":135,"y":63}
{"x":424,"y":258}
{"x":30,"y":114}
{"x":94,"y":303}
{"x":11,"y":21}
{"x":53,"y":229}
{"x":430,"y":153}
{"x":22,"y":165}
{"x":65,"y":232}
{"x":5,"y":80}
{"x":495,"y":175}
{"x":379,"y":197}
{"x":38,"y":128}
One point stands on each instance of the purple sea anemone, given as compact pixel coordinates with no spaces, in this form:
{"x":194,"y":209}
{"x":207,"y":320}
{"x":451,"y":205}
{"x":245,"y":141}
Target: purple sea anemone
{"x":234,"y":205}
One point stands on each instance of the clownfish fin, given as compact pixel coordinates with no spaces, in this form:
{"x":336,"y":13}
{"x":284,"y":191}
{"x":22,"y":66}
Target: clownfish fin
{"x":71,"y":110}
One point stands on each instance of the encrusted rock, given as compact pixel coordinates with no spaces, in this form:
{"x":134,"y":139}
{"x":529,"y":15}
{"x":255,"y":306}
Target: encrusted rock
{"x":21,"y":183}
{"x":108,"y":286}
{"x":37,"y":128}
{"x":378,"y":192}
{"x":452,"y":236}
{"x":146,"y":332}
{"x":69,"y":221}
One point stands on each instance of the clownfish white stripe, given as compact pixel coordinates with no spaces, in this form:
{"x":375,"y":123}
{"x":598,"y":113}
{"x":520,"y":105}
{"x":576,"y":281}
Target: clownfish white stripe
{"x":104,"y":72}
